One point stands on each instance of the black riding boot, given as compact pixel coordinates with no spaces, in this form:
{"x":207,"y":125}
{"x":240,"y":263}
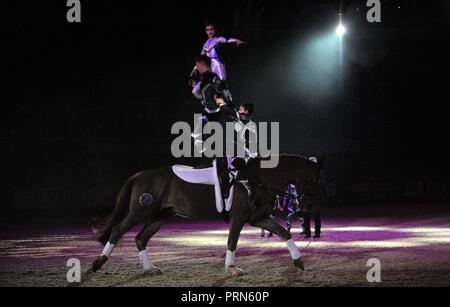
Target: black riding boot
{"x":317,"y":224}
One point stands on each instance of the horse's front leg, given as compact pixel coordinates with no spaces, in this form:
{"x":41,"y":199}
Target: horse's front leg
{"x":236,"y":226}
{"x":272,"y":226}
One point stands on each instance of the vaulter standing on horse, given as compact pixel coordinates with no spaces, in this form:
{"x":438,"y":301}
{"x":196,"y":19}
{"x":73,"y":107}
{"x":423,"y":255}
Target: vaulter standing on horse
{"x":210,"y":49}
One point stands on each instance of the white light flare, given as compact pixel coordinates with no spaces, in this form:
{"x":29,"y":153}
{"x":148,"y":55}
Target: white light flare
{"x":341,"y":30}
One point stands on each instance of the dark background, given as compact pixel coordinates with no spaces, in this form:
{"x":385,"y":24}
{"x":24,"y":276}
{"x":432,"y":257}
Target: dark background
{"x":84,"y":106}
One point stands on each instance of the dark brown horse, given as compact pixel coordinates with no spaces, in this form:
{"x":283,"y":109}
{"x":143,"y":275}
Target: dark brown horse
{"x":152,"y":197}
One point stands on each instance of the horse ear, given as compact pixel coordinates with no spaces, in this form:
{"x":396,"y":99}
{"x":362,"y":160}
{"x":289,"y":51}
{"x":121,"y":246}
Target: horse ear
{"x":320,"y":163}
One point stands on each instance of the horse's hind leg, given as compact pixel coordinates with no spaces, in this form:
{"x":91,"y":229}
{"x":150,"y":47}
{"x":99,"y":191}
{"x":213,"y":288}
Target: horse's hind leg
{"x":118,"y":232}
{"x":142,"y":239}
{"x":236,"y":226}
{"x":272,"y":226}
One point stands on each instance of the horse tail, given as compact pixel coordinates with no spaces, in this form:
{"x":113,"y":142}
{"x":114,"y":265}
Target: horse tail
{"x":120,"y":210}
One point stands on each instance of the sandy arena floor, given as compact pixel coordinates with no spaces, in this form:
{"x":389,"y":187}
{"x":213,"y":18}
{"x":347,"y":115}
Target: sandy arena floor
{"x":413,"y":252}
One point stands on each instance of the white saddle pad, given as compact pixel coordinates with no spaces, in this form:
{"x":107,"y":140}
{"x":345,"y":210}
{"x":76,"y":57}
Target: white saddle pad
{"x":207,"y":176}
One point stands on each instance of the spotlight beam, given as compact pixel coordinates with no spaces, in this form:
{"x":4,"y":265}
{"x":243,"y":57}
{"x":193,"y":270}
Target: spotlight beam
{"x":340,"y":30}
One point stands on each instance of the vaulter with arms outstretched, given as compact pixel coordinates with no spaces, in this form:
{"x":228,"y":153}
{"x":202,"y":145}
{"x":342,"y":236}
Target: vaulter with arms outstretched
{"x":210,"y":49}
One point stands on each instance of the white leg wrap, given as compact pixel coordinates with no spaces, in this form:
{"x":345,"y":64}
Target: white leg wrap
{"x":145,"y":260}
{"x":229,"y":260}
{"x":295,"y":253}
{"x":108,"y":250}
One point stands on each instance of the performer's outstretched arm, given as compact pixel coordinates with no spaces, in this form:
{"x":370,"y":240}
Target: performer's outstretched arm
{"x":223,"y":40}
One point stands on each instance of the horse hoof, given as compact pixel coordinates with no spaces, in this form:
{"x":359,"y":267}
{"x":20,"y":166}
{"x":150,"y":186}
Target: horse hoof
{"x":299,"y":264}
{"x":98,"y":263}
{"x":234,"y":271}
{"x":153,"y":271}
